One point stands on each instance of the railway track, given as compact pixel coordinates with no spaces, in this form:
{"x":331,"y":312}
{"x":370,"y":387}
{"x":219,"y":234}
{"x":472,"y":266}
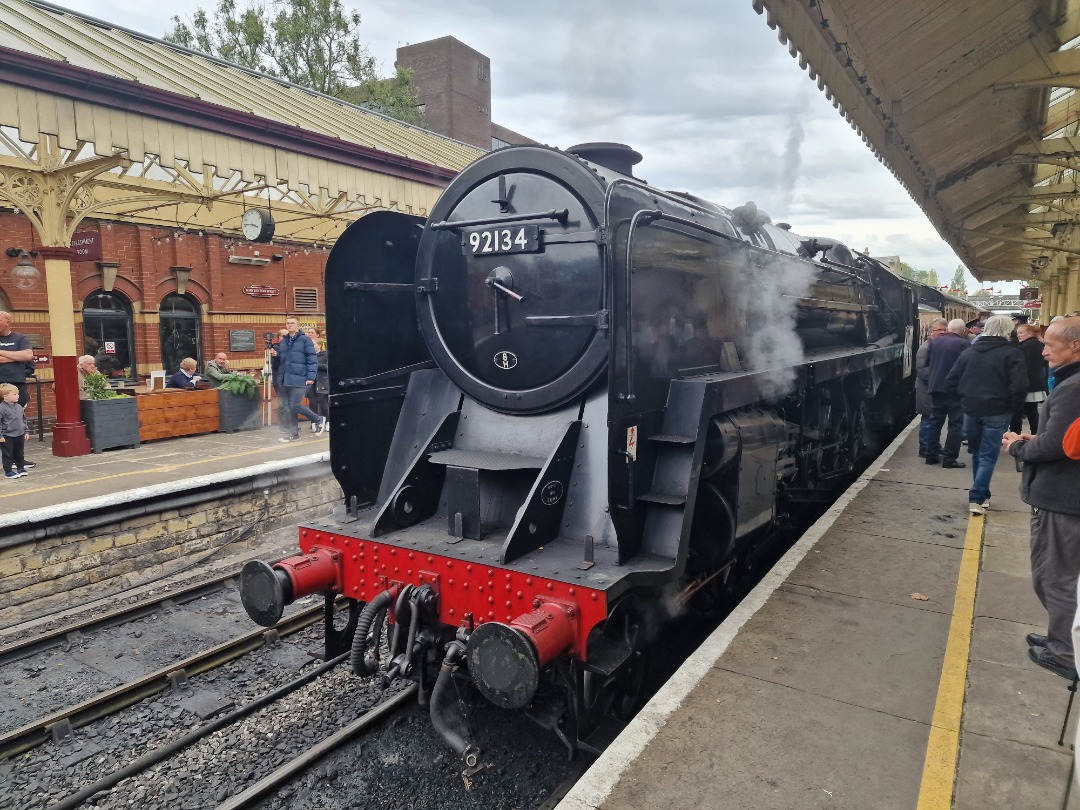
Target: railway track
{"x":59,"y":726}
{"x":252,"y":796}
{"x":76,"y":631}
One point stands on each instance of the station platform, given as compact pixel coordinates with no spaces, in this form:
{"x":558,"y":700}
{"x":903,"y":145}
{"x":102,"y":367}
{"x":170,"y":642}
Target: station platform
{"x":881,"y":664}
{"x":58,"y":487}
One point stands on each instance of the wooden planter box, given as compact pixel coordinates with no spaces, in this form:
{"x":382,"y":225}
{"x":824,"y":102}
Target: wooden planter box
{"x":238,"y":412}
{"x":111,"y":422}
{"x":177,"y":413}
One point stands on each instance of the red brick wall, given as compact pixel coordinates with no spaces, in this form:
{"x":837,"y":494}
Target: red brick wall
{"x":143,"y":279}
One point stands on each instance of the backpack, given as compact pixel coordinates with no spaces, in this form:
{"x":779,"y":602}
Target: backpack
{"x":1071,"y":444}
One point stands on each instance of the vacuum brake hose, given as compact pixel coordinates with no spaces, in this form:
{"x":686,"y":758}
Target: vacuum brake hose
{"x":358,"y":661}
{"x":470,"y":754}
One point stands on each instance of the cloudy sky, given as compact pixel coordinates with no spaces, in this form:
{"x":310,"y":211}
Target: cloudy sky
{"x":702,"y":88}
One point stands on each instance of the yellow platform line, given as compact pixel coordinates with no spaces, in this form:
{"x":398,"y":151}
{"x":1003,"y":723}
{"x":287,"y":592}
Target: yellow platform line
{"x":943,"y":748}
{"x":146,"y":471}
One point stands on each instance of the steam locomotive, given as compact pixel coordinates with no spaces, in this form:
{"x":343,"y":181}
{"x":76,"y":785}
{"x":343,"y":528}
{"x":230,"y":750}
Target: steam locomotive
{"x":568,"y":405}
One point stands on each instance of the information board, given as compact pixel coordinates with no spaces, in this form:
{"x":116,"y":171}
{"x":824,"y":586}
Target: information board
{"x":241,"y":340}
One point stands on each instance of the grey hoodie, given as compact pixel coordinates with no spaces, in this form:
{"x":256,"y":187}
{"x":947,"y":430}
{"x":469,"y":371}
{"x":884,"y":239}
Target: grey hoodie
{"x":12,"y":419}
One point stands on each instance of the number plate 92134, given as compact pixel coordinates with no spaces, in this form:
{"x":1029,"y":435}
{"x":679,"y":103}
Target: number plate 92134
{"x":492,"y":241}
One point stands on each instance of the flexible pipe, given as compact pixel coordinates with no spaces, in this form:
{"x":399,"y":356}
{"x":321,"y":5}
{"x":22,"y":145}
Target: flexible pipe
{"x":358,"y":658}
{"x":470,"y":754}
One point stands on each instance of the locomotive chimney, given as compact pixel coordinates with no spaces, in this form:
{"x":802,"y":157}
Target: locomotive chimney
{"x":615,"y":156}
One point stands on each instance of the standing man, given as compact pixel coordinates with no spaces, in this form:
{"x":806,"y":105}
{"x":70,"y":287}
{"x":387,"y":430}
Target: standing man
{"x":1051,"y":485}
{"x":15,"y":353}
{"x":295,"y":366}
{"x":975,"y":329}
{"x":991,"y":380}
{"x":940,"y":359}
{"x":923,"y":404}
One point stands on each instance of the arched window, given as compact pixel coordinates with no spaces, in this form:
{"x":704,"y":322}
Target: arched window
{"x":108,"y":334}
{"x":180,"y":338}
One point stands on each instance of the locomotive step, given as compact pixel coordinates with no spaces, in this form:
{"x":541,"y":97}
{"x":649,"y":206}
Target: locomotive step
{"x":663,"y":497}
{"x":486,"y":460}
{"x":672,"y":438}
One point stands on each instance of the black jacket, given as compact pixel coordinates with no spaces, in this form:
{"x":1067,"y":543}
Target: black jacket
{"x":1051,"y":479}
{"x":1036,"y":365}
{"x":990,"y":378}
{"x":941,"y":357}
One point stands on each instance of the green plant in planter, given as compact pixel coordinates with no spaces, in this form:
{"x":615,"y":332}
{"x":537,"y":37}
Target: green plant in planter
{"x":97,"y":386}
{"x":239,"y":384}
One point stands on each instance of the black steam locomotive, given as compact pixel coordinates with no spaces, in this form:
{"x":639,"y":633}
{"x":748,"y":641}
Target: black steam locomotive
{"x":567,"y":405}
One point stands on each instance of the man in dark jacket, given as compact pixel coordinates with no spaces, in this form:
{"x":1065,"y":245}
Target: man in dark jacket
{"x":940,"y":359}
{"x":1031,"y":347}
{"x":924,"y":406}
{"x":294,"y":365}
{"x":1051,"y":485}
{"x":991,"y":381}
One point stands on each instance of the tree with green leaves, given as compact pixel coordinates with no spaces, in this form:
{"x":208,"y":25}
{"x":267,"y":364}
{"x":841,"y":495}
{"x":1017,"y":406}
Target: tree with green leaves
{"x":312,"y":43}
{"x":928,"y":277}
{"x":958,"y":283}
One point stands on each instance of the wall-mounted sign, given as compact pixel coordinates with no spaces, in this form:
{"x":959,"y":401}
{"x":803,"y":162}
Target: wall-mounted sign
{"x":87,"y":246}
{"x":1033,"y":305}
{"x":40,"y":360}
{"x":110,"y":347}
{"x":241,"y":340}
{"x":37,"y":341}
{"x":261,"y":291}
{"x":1029,"y":293}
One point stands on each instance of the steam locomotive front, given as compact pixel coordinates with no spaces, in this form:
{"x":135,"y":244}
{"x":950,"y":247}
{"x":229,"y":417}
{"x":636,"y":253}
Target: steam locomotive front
{"x":512,"y":294}
{"x":488,"y":533}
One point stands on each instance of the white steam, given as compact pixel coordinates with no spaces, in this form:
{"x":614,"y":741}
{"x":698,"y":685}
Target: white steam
{"x":769,"y":303}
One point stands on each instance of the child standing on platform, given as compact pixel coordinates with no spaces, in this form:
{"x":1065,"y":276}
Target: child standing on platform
{"x":13,"y":432}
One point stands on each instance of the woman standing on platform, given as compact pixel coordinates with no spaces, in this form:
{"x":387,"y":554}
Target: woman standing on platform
{"x":320,"y":396}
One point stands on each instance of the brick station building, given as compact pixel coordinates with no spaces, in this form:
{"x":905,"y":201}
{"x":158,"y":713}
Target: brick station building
{"x":125,"y":174}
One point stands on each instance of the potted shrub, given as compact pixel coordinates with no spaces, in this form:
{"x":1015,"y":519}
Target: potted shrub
{"x":112,"y":419}
{"x":238,"y":403}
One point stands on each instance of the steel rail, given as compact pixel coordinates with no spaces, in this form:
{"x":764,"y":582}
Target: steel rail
{"x":287,"y":772}
{"x":60,"y":723}
{"x":18,"y":650}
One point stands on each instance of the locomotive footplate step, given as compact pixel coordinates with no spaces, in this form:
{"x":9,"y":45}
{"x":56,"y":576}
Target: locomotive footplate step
{"x":882,"y":663}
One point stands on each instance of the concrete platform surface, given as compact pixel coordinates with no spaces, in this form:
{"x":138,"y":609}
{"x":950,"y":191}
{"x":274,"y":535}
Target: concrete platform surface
{"x":881,"y":664}
{"x":58,"y":486}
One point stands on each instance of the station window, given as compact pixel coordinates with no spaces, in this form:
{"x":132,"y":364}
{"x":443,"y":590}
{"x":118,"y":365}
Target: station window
{"x":306,"y":299}
{"x":108,"y":334}
{"x":180,"y":333}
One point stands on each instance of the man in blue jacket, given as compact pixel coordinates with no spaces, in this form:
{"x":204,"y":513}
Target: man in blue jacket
{"x":294,"y":365}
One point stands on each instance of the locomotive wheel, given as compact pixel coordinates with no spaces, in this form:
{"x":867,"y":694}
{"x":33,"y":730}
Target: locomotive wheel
{"x":618,"y":694}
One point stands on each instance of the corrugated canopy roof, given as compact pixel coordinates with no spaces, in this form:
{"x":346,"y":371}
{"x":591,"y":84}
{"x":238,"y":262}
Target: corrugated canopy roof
{"x":972,"y":105}
{"x":53,"y":33}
